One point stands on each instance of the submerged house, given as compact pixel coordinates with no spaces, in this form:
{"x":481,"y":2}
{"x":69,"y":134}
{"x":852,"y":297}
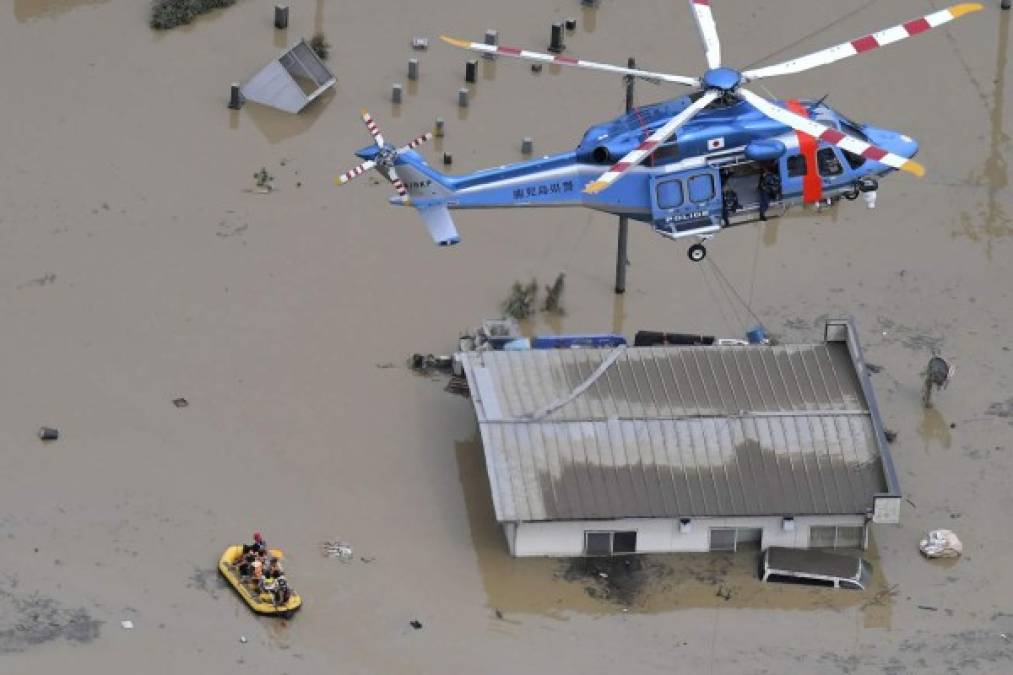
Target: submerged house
{"x":686,"y":448}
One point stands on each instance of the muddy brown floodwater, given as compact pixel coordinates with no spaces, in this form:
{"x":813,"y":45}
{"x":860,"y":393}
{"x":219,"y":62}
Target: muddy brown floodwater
{"x":139,"y":265}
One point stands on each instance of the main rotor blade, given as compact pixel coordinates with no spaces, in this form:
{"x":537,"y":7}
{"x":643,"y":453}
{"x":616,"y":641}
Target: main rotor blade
{"x":708,"y":30}
{"x":354,"y":173}
{"x":373,"y":128}
{"x":398,"y":185}
{"x":644,"y":150}
{"x":562,"y":60}
{"x":831,"y":136}
{"x":865,"y":43}
{"x":416,"y":142}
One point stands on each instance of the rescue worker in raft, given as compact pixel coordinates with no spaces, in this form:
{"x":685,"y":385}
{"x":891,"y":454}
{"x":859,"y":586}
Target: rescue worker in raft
{"x":769,"y":188}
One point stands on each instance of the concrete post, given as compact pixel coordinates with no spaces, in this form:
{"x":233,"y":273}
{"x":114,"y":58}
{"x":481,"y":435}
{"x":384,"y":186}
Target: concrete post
{"x":624,"y":223}
{"x":413,"y":69}
{"x":395,"y":93}
{"x":462,"y":97}
{"x":1005,"y":4}
{"x":556,"y":43}
{"x":281,"y":17}
{"x":471,"y":70}
{"x":235,"y":97}
{"x":527,"y":145}
{"x":491,"y":38}
{"x":438,"y":130}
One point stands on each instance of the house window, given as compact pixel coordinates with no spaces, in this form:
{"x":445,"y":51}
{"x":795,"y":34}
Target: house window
{"x":669,"y":194}
{"x":722,"y":538}
{"x":796,"y":166}
{"x":624,"y":542}
{"x":836,"y":537}
{"x":701,"y":188}
{"x":608,"y":543}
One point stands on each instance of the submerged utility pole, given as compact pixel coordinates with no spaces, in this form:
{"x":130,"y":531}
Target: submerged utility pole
{"x":624,"y":223}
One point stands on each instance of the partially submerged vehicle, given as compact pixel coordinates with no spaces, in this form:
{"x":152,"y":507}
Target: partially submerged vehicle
{"x":260,"y":600}
{"x":814,"y":568}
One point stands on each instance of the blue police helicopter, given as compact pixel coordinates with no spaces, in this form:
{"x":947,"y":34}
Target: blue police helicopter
{"x":690,"y":166}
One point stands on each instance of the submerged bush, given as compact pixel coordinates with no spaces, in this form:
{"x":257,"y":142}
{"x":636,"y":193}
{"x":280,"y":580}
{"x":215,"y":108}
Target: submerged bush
{"x":320,"y":46}
{"x":167,"y":14}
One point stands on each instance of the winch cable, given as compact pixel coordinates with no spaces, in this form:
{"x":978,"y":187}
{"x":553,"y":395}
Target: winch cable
{"x":731,"y":288}
{"x":715,"y":299}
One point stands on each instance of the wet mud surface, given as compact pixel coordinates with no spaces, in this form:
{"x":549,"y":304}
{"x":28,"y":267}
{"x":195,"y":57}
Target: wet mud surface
{"x":29,"y":620}
{"x":139,"y":263}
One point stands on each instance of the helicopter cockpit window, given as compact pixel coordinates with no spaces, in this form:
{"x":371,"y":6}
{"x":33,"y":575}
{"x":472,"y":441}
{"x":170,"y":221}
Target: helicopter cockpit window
{"x":829,"y":165}
{"x":670,"y":194}
{"x":701,"y":188}
{"x":854,"y":161}
{"x":796,"y":166}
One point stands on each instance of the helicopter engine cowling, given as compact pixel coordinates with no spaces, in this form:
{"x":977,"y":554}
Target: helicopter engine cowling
{"x":765,"y":150}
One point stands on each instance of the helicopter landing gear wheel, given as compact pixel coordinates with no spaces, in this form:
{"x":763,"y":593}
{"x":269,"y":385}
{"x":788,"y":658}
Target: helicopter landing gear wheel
{"x":697,"y":252}
{"x":853,"y":195}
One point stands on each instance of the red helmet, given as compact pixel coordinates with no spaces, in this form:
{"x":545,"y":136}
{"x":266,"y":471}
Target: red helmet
{"x":257,"y":537}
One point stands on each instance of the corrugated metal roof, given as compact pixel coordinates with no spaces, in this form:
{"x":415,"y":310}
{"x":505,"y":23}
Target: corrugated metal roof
{"x":676,"y":432}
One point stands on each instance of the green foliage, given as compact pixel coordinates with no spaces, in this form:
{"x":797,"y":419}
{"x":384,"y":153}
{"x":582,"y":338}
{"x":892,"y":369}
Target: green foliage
{"x":521,"y":301}
{"x":166,"y":14}
{"x":264,"y":179}
{"x":320,"y":46}
{"x":553,"y":296}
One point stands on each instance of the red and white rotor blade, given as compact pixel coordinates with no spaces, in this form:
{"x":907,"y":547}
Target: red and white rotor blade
{"x":708,"y":30}
{"x":865,"y":43}
{"x":644,"y":150}
{"x":831,"y":136}
{"x":562,"y":60}
{"x":397,"y":182}
{"x":416,"y":142}
{"x":354,"y":173}
{"x":374,"y":130}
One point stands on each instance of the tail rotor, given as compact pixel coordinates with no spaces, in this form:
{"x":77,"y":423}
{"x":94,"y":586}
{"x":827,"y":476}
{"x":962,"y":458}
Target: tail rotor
{"x":383,"y":158}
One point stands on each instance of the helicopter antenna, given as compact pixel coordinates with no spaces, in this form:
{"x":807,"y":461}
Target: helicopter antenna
{"x":818,"y":103}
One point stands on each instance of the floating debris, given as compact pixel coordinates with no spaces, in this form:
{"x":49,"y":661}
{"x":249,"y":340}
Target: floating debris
{"x":420,"y":43}
{"x":416,"y":624}
{"x":941,"y":544}
{"x":127,"y":624}
{"x":337,"y":549}
{"x":180,"y":402}
{"x":427,"y":363}
{"x":48,"y":434}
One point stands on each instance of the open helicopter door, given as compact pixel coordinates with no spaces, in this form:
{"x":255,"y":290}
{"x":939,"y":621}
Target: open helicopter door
{"x":686,"y":203}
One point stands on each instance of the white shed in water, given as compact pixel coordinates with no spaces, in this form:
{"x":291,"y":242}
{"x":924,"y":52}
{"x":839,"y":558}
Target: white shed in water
{"x":291,"y":81}
{"x":662,"y":449}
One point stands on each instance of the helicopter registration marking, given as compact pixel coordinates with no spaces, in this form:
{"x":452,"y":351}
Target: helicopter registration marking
{"x":679,"y":218}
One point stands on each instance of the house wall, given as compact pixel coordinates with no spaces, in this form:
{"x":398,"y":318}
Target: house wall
{"x":659,"y":535}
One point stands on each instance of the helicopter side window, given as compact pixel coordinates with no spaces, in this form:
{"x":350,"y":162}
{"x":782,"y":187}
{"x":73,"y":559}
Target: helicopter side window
{"x":665,"y":153}
{"x":669,"y":194}
{"x":796,"y":166}
{"x":701,"y":188}
{"x":829,"y":165}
